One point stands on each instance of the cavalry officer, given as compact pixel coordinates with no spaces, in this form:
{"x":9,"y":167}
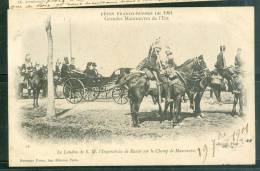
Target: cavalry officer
{"x":168,"y":61}
{"x":221,"y":65}
{"x":26,"y":70}
{"x":149,"y":64}
{"x":221,"y":61}
{"x":238,"y":61}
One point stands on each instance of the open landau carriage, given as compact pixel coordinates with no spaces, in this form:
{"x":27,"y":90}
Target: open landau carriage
{"x":79,"y":87}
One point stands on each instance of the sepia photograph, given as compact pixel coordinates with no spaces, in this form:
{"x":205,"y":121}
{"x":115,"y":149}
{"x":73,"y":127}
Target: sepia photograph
{"x":131,"y":86}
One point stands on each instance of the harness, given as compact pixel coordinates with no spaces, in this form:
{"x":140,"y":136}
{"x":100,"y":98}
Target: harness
{"x":195,"y":76}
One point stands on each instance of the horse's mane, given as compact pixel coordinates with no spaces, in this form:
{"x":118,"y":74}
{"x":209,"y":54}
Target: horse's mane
{"x":185,"y":63}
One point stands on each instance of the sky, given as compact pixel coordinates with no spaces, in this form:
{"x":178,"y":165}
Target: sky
{"x":189,"y":32}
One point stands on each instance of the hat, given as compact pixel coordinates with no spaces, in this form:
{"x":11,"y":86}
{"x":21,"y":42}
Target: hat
{"x":239,"y":49}
{"x":89,"y":63}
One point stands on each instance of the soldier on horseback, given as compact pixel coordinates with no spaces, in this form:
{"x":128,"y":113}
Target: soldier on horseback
{"x":26,"y":70}
{"x":238,"y":61}
{"x":168,"y":61}
{"x":150,"y":66}
{"x":223,"y":70}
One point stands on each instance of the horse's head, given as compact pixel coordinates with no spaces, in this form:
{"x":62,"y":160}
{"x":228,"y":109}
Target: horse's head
{"x":195,"y":65}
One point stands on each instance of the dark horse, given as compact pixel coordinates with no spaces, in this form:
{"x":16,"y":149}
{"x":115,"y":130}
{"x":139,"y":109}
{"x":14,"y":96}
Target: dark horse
{"x":192,"y":78}
{"x":218,"y":85}
{"x":138,"y":82}
{"x":38,"y":80}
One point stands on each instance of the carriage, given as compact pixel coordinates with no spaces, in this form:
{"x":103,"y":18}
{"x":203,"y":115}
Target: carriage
{"x":79,"y":87}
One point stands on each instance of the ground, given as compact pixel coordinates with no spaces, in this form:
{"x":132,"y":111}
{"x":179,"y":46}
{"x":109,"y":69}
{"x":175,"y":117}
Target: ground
{"x":104,"y":118}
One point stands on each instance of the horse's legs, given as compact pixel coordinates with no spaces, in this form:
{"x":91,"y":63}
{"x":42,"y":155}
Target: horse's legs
{"x":137,"y":107}
{"x":197,"y":102}
{"x":234,"y":105}
{"x":191,"y":98}
{"x":171,"y":107}
{"x":160,"y":111}
{"x":37,"y":97}
{"x":178,"y":105}
{"x":241,"y":105}
{"x":34,"y":97}
{"x":166,"y":105}
{"x":132,"y":109}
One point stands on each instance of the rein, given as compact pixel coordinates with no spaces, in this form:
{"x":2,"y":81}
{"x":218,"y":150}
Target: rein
{"x":194,"y":77}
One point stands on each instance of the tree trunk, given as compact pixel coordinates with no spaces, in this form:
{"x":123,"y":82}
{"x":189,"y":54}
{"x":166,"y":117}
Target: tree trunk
{"x":51,"y":102}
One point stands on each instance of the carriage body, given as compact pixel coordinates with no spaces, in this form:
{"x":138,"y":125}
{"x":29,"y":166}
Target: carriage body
{"x":79,"y":86}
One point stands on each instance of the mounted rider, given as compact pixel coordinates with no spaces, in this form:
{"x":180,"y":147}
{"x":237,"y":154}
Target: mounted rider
{"x":150,"y":66}
{"x":27,"y":69}
{"x":168,"y":60}
{"x":238,"y":70}
{"x":238,"y":61}
{"x":222,"y":69}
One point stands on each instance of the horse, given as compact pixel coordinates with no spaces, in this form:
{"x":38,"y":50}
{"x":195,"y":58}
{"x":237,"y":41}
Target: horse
{"x":38,"y":80}
{"x":22,"y":80}
{"x":191,"y":78}
{"x":175,"y":93}
{"x":219,"y":84}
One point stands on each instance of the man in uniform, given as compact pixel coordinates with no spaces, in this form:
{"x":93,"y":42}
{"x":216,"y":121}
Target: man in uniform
{"x":221,"y":61}
{"x":150,"y":66}
{"x":238,"y":71}
{"x":26,"y":70}
{"x":221,"y":66}
{"x":65,"y":69}
{"x":168,"y":60}
{"x":238,"y":61}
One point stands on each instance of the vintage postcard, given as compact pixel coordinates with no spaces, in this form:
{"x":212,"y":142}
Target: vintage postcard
{"x":14,"y":4}
{"x":132,"y":86}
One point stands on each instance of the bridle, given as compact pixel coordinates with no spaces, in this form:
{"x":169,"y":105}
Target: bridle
{"x":198,"y":74}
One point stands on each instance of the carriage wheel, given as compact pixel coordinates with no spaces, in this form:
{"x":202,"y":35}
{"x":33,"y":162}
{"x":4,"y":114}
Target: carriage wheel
{"x":119,"y":95}
{"x":91,"y":93}
{"x":73,"y":90}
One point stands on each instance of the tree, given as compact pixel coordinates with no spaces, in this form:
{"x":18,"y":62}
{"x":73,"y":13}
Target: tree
{"x":51,"y":102}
